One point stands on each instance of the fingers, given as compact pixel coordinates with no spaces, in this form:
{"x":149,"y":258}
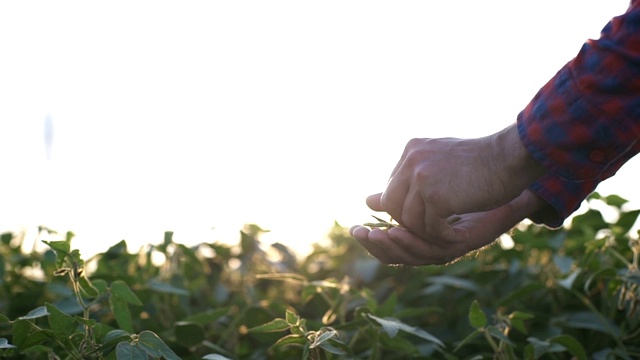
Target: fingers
{"x":375,"y":248}
{"x":399,"y":246}
{"x":392,"y":200}
{"x":413,"y":213}
{"x":379,"y":244}
{"x":394,"y":197}
{"x":373,"y":202}
{"x":472,"y":231}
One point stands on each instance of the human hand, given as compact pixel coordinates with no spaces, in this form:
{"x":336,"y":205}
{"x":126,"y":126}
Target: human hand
{"x":438,"y":178}
{"x":470,"y":232}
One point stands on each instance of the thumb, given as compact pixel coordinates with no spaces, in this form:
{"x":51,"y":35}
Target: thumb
{"x":478,"y":229}
{"x":373,"y":202}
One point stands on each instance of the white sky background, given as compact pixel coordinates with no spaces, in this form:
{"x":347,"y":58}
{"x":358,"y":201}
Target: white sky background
{"x":185,"y":116}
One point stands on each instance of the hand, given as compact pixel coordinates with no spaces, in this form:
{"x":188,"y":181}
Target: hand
{"x":438,"y":178}
{"x":473,"y":231}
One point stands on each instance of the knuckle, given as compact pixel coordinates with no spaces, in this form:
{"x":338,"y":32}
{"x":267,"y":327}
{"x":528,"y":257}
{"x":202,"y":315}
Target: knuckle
{"x":422,"y":173}
{"x":413,"y":143}
{"x":416,"y":150}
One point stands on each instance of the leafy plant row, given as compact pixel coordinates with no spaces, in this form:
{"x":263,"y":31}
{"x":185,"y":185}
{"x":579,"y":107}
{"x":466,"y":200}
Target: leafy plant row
{"x":550,"y":294}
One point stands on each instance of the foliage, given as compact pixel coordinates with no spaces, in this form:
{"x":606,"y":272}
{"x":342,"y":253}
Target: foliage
{"x":554,"y":294}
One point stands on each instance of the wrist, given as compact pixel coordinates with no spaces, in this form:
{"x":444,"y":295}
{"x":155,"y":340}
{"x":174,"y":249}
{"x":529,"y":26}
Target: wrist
{"x":516,"y":165}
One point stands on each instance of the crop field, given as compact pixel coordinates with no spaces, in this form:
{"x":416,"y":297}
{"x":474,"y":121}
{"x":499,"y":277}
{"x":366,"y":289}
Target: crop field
{"x":571,"y":293}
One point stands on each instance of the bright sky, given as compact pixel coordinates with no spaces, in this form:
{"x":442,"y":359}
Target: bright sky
{"x":188,"y":116}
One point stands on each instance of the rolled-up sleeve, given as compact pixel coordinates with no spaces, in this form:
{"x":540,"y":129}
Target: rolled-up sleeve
{"x":584,"y":124}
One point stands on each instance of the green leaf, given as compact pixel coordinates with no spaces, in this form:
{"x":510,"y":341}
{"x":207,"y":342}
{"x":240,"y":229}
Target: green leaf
{"x":627,"y":220}
{"x":35,"y":313}
{"x":126,"y":351}
{"x":567,"y":282}
{"x":168,"y":238}
{"x":305,"y":352}
{"x":525,"y":291}
{"x":391,"y":326}
{"x":61,"y":323}
{"x":477,"y":317}
{"x":167,"y":288}
{"x":6,"y":238}
{"x":300,"y":329}
{"x":82,"y":321}
{"x":100,"y":285}
{"x":292,"y":318}
{"x":308,"y":291}
{"x":75,"y":258}
{"x":215,"y":357}
{"x":517,"y":318}
{"x":121,"y":290}
{"x":529,"y":352}
{"x":62,"y":250}
{"x":539,"y":347}
{"x":63,"y":247}
{"x":590,"y":321}
{"x":121,"y":312}
{"x":4,"y":344}
{"x":421,"y":333}
{"x":543,"y":347}
{"x":456,"y":282}
{"x":615,"y":201}
{"x":206,"y":317}
{"x":116,"y":250}
{"x":100,"y":330}
{"x":291,"y":339}
{"x":154,"y":346}
{"x":389,"y":306}
{"x":335,"y":347}
{"x":290,"y":277}
{"x":26,"y":335}
{"x":272,"y":326}
{"x":573,"y":345}
{"x":20,"y":331}
{"x":594,"y":195}
{"x":496,"y":333}
{"x":35,"y":351}
{"x":592,"y":219}
{"x":114,"y":335}
{"x":4,"y":319}
{"x":87,"y":287}
{"x":189,"y":334}
{"x":113,"y":338}
{"x":322,"y":337}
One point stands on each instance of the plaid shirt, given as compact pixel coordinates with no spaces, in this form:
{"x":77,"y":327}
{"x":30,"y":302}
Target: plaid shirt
{"x":584,"y":124}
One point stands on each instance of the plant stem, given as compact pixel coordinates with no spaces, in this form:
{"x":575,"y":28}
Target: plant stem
{"x":376,"y":349}
{"x":492,"y":343}
{"x":88,"y":330}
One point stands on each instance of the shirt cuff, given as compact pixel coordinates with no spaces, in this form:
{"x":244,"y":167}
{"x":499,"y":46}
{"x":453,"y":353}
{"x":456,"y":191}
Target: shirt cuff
{"x":563,"y":196}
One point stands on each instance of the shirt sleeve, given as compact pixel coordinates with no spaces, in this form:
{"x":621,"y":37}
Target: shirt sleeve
{"x":584,"y":124}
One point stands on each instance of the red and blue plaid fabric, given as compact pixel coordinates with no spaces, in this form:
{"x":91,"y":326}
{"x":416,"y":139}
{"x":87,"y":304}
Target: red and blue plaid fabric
{"x":584,"y":124}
